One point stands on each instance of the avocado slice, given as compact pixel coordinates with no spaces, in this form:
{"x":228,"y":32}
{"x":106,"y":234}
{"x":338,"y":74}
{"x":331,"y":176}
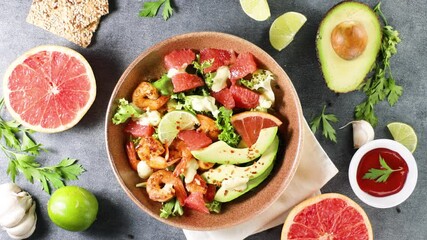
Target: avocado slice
{"x":348,"y":41}
{"x":226,"y":195}
{"x":228,"y":171}
{"x":221,"y":152}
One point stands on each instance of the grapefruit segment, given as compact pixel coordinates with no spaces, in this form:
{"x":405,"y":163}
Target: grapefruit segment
{"x":194,"y":140}
{"x":49,"y":88}
{"x":327,"y":216}
{"x":179,"y":59}
{"x":186,"y":81}
{"x":225,"y":97}
{"x":248,"y":124}
{"x":244,"y":97}
{"x":220,"y":58}
{"x":244,"y":65}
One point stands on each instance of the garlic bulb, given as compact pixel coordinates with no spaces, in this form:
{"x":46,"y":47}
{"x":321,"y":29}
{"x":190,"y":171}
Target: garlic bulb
{"x":17,"y":211}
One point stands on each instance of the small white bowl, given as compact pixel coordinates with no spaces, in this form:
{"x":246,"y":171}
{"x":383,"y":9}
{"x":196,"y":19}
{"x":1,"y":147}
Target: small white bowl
{"x":392,"y":200}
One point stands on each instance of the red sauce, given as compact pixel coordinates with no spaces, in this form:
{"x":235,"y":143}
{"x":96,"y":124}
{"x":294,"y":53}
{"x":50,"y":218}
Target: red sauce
{"x":396,"y":179}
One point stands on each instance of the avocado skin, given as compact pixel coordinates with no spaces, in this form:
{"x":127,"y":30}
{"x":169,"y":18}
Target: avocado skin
{"x":374,"y":49}
{"x":223,"y":195}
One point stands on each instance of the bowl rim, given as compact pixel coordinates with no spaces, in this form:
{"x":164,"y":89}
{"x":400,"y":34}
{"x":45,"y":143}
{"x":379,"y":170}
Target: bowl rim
{"x":391,"y":200}
{"x":156,"y":46}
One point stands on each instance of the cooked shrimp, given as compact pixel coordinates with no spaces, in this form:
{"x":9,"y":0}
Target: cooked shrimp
{"x":180,"y":150}
{"x":197,"y":185}
{"x":159,"y":162}
{"x":130,"y":150}
{"x":208,"y":126}
{"x":147,"y":96}
{"x":151,"y":150}
{"x":149,"y":147}
{"x":162,"y":186}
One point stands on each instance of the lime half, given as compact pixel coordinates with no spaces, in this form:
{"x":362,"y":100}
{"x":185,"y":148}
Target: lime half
{"x":284,"y":28}
{"x":404,"y":134}
{"x":173,"y":122}
{"x":256,"y":9}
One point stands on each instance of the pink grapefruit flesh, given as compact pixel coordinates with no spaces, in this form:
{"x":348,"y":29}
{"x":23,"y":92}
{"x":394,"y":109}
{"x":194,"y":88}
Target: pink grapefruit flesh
{"x":248,"y":124}
{"x":327,"y":216}
{"x":49,"y":88}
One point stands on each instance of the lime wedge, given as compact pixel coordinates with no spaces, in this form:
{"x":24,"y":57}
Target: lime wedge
{"x":404,"y":134}
{"x":284,"y":28}
{"x":256,"y":9}
{"x":173,"y":122}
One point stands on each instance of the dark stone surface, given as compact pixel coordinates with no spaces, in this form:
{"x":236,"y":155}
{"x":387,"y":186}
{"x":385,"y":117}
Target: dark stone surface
{"x":123,"y":35}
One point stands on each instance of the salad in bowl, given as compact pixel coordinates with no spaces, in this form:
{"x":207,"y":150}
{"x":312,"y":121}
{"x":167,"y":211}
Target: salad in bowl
{"x":200,"y":135}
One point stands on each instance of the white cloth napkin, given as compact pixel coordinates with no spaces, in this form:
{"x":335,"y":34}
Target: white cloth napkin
{"x":314,"y":171}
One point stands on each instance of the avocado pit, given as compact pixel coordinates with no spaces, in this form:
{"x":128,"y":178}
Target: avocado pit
{"x":349,"y":39}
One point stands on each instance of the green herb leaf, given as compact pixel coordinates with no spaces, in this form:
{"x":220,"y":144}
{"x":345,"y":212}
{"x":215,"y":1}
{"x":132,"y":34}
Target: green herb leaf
{"x":380,"y":175}
{"x":28,"y":145}
{"x":171,"y":208}
{"x":381,"y":85}
{"x":69,"y":169}
{"x":177,"y":209}
{"x":167,"y":10}
{"x":164,"y":85}
{"x":315,"y":123}
{"x":124,"y":111}
{"x":323,"y":120}
{"x":200,"y":66}
{"x":223,"y":122}
{"x":150,"y":9}
{"x":214,"y":206}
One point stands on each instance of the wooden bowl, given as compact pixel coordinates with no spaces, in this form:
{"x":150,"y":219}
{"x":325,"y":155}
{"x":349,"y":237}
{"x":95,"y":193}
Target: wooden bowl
{"x":148,"y":66}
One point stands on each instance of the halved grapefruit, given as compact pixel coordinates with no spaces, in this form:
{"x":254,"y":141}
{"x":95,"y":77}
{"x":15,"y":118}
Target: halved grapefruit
{"x":327,"y":216}
{"x":49,"y":88}
{"x":248,"y":124}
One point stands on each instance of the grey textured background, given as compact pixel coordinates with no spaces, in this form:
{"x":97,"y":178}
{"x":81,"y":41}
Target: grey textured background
{"x":123,"y":35}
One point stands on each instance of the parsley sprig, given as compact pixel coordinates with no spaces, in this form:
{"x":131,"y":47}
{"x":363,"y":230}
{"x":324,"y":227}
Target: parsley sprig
{"x":380,"y":175}
{"x":381,"y":85}
{"x":21,"y":150}
{"x":323,"y":121}
{"x":150,"y":9}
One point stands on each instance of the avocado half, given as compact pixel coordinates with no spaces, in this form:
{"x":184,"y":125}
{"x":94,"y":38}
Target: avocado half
{"x":348,"y":41}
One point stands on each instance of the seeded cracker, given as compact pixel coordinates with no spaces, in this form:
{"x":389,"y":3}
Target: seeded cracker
{"x":75,"y":20}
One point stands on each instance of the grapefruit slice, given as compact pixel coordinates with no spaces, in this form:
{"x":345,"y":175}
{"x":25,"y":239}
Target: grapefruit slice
{"x":327,"y":216}
{"x":248,"y":124}
{"x":49,"y":88}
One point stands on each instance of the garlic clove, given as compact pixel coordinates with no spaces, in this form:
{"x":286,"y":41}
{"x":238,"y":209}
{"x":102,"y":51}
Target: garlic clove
{"x":21,"y":203}
{"x":7,"y":201}
{"x":9,"y":187}
{"x":27,"y":200}
{"x":27,"y":234}
{"x":7,"y":196}
{"x":26,"y":223}
{"x":363,"y":132}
